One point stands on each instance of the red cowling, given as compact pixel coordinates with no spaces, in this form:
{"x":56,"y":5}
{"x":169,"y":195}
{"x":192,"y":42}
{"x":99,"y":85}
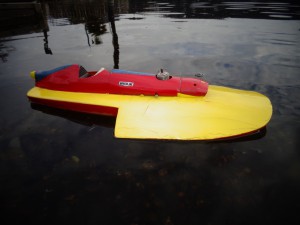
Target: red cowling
{"x":75,"y":79}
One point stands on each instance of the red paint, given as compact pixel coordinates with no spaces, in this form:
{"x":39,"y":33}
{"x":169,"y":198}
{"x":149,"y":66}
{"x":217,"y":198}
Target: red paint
{"x":68,"y":79}
{"x":85,"y":108}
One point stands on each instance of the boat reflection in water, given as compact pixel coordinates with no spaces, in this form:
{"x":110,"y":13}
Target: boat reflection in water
{"x":77,"y":117}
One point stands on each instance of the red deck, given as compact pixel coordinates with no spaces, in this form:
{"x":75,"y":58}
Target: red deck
{"x":74,"y":78}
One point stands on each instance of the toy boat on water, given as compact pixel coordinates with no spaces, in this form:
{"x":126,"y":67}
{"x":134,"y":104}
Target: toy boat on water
{"x":153,"y":106}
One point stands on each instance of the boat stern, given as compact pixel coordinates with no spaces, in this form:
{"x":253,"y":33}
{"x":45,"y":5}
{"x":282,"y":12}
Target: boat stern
{"x":192,"y":86}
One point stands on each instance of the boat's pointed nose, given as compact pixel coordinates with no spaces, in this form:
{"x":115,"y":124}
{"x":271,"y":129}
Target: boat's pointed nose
{"x":32,"y":74}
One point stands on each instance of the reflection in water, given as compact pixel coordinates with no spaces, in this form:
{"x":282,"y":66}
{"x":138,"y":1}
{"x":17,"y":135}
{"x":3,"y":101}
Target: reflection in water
{"x":82,"y":118}
{"x":46,"y":47}
{"x":3,"y":53}
{"x":87,"y":36}
{"x":258,"y":10}
{"x":21,"y":18}
{"x":115,"y":41}
{"x":96,"y":29}
{"x":96,"y":14}
{"x":52,"y":169}
{"x":92,"y":14}
{"x":223,"y":9}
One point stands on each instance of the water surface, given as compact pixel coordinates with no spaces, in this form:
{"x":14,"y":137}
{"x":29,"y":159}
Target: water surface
{"x":57,"y":167}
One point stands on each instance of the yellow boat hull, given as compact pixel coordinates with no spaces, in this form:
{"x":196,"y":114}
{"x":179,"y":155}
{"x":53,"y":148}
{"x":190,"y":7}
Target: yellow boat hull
{"x":221,"y":113}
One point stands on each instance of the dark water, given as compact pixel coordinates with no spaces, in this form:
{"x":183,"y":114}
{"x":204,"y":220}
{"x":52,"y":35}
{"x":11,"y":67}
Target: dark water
{"x":58,"y":168}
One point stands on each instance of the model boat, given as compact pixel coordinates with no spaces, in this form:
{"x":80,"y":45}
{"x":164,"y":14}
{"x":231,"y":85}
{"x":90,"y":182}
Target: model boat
{"x":154,"y":106}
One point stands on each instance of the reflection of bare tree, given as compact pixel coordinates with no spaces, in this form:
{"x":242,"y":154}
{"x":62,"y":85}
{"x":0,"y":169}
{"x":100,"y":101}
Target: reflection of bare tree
{"x":46,"y":47}
{"x":94,"y":14}
{"x":3,"y":53}
{"x":96,"y":27}
{"x":77,"y":11}
{"x":115,"y":41}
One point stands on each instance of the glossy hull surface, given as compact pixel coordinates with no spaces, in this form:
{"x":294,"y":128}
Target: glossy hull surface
{"x":221,"y":113}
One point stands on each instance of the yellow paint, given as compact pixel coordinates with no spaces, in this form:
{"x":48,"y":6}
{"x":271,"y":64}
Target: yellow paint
{"x":32,"y":74}
{"x":223,"y":112}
